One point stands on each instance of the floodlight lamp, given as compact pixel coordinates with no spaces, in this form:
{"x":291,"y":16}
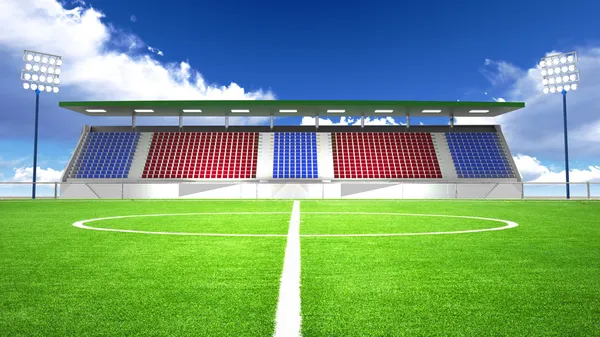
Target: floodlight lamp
{"x":57,"y":81}
{"x":59,"y":62}
{"x":57,"y":71}
{"x":565,"y":78}
{"x":559,"y":88}
{"x":552,"y":89}
{"x":33,"y":86}
{"x":542,"y":63}
{"x":28,"y":66}
{"x":42,"y":78}
{"x":544,"y":72}
{"x":573,"y":77}
{"x":43,"y":69}
{"x":551,"y":80}
{"x":44,"y":59}
{"x":559,"y":79}
{"x":25,"y":86}
{"x":36,"y":67}
{"x":27,"y":76}
{"x":555,"y":61}
{"x":564,"y":69}
{"x":550,"y":71}
{"x":546,"y":90}
{"x":29,"y":57}
{"x":544,"y":81}
{"x":574,"y":86}
{"x":41,"y":87}
{"x":36,"y":58}
{"x":49,"y":79}
{"x":563,"y":60}
{"x":51,"y":70}
{"x":570,"y":58}
{"x":55,"y":90}
{"x":34,"y":77}
{"x":52,"y":60}
{"x":48,"y":88}
{"x":567,"y":87}
{"x":557,"y":70}
{"x":571,"y":68}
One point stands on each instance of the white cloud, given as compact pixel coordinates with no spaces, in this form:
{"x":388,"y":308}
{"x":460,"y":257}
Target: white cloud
{"x":93,"y":62}
{"x":307,"y":120}
{"x":532,"y":170}
{"x":538,"y":128}
{"x":156,"y":51}
{"x":24,"y":174}
{"x":133,"y":18}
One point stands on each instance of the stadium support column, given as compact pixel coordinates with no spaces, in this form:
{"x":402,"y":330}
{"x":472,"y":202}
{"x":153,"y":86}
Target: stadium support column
{"x":564,"y":93}
{"x":226,"y":122}
{"x":180,"y":122}
{"x":272,"y":121}
{"x":35,"y":141}
{"x":452,"y":120}
{"x":133,"y":121}
{"x":407,"y":121}
{"x":317,"y":121}
{"x":362,"y":121}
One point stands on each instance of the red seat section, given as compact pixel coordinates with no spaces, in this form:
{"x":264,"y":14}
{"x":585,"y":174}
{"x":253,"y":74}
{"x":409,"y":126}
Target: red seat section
{"x":202,"y":155}
{"x":381,"y":155}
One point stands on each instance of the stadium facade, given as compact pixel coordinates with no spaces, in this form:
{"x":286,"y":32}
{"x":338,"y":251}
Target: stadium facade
{"x":362,"y":161}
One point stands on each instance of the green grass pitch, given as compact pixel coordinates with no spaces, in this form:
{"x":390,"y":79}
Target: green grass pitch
{"x":541,"y":278}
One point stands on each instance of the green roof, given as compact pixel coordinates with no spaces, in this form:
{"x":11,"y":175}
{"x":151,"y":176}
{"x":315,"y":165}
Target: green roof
{"x":293,"y":108}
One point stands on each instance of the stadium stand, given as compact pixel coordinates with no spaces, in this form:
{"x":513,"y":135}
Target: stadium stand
{"x":202,"y":155}
{"x":479,"y":155}
{"x":106,"y":155}
{"x":295,"y":155}
{"x":376,"y":155}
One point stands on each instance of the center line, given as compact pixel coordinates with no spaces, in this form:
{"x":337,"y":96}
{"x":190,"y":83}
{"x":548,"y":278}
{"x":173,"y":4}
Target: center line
{"x":288,"y":319}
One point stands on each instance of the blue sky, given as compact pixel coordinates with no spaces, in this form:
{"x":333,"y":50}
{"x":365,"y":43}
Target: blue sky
{"x":388,"y":50}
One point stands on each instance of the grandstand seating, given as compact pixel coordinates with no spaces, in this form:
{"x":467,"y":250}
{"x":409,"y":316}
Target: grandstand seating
{"x":295,"y":155}
{"x":479,"y":155}
{"x":202,"y":155}
{"x":376,"y":155}
{"x":106,"y":155}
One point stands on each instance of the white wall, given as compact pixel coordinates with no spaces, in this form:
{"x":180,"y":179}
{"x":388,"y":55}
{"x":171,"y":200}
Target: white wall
{"x":253,"y":190}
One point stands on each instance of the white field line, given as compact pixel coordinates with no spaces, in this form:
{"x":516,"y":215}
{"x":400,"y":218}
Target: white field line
{"x":81,"y":224}
{"x":509,"y":224}
{"x":288,"y":319}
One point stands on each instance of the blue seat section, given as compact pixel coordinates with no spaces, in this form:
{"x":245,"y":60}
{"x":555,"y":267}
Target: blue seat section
{"x":479,"y":155}
{"x":106,"y":155}
{"x":295,"y":155}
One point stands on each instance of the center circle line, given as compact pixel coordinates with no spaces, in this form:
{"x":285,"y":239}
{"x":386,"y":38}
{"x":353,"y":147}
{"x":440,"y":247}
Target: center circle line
{"x":82,"y":224}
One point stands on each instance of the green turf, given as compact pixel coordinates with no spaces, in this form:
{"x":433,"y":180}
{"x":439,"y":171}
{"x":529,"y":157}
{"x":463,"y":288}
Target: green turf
{"x":387,"y":224}
{"x":539,"y":279}
{"x":58,"y":280}
{"x":208,"y":223}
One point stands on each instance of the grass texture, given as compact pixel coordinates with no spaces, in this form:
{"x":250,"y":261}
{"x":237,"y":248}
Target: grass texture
{"x":538,"y":279}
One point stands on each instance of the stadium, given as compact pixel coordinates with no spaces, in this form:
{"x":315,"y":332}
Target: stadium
{"x":389,"y":162}
{"x":406,"y":230}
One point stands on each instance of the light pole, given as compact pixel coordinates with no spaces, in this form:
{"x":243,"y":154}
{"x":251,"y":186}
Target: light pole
{"x":41,"y":72}
{"x":560,"y":74}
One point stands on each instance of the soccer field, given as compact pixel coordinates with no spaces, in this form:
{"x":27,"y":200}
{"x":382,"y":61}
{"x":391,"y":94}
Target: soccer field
{"x":361,"y":274}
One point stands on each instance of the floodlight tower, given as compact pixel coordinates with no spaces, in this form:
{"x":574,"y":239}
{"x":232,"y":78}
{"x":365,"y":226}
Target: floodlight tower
{"x":560,"y":74}
{"x":41,"y":72}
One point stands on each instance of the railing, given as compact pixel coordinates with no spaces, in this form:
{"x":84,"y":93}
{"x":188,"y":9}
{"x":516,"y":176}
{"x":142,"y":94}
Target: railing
{"x":527,"y":190}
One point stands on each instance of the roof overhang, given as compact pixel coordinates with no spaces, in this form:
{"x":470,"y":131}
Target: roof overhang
{"x":291,"y":108}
